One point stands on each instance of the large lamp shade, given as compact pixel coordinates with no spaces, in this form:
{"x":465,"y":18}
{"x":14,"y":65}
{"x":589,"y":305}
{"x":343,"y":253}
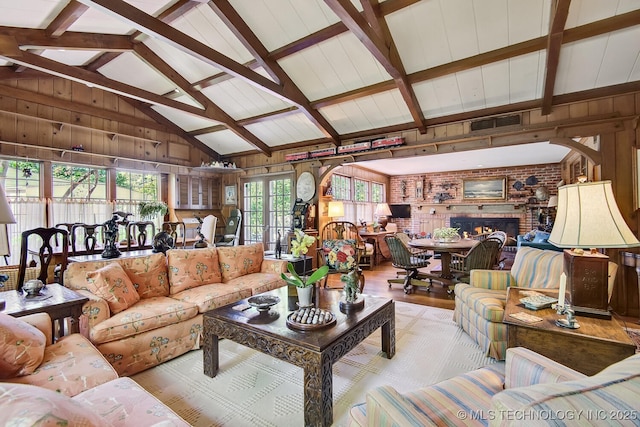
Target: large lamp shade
{"x":336,"y":209}
{"x":588,"y":217}
{"x":382,"y":212}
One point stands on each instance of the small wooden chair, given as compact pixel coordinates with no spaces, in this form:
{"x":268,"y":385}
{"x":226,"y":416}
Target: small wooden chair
{"x":84,"y":238}
{"x":341,"y":248}
{"x":44,"y":254}
{"x":177,"y":230}
{"x":138,"y":232}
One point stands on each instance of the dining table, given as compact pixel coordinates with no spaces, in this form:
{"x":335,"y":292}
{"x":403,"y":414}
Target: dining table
{"x":444,"y":249}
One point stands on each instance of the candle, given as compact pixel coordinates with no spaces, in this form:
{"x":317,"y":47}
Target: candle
{"x":563,"y":288}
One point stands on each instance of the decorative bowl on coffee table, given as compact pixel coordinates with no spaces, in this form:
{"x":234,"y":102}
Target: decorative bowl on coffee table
{"x":263,"y":303}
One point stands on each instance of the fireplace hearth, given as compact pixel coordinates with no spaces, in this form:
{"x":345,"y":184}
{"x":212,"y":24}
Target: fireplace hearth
{"x":479,"y":225}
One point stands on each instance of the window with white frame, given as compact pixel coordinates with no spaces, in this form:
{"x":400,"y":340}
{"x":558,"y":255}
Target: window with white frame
{"x":267,"y":210}
{"x":79,"y":194}
{"x":366,"y":194}
{"x":341,"y":186}
{"x":133,"y":187}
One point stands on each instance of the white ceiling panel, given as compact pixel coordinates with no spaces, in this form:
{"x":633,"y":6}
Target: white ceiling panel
{"x":29,"y":14}
{"x":471,"y":88}
{"x":585,"y":11}
{"x":460,"y":25}
{"x":188,"y":122}
{"x":280,"y":22}
{"x":285,"y":130}
{"x":225,"y":142}
{"x":579,"y":65}
{"x":202,"y":24}
{"x":375,"y":111}
{"x":494,"y":76}
{"x":526,"y":77}
{"x":528,"y":19}
{"x":621,"y":58}
{"x":128,"y":68}
{"x":94,"y":21}
{"x":71,"y":57}
{"x":191,"y":68}
{"x":241,"y":100}
{"x":335,"y":66}
{"x":492,"y":21}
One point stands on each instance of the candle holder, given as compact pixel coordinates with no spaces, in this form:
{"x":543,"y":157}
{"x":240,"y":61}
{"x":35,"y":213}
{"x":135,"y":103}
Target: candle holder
{"x":570,"y":322}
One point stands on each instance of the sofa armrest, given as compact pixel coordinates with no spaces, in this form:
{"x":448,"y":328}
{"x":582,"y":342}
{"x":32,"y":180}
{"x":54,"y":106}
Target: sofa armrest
{"x":491,"y":279}
{"x":94,"y":311}
{"x":524,"y":367}
{"x":42,"y":321}
{"x":274,"y":266}
{"x":387,"y":407}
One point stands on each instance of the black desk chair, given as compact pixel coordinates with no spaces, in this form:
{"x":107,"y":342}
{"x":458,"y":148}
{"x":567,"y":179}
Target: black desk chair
{"x":45,"y":254}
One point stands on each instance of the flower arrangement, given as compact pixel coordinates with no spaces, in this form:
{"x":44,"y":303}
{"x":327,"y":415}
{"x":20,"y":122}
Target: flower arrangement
{"x":446,"y":233}
{"x":149,"y":210}
{"x":300,"y":246}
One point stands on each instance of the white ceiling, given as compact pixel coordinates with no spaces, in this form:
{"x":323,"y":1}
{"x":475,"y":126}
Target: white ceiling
{"x":521,"y":155}
{"x":341,"y":89}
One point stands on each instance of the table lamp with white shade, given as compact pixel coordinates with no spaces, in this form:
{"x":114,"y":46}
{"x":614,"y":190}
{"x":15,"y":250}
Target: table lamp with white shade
{"x":588,"y":217}
{"x":336,"y":209}
{"x":382,"y":212}
{"x":6,"y":217}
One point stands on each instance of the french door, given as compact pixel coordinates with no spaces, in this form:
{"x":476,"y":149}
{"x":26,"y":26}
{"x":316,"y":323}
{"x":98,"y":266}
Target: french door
{"x":267,"y":210}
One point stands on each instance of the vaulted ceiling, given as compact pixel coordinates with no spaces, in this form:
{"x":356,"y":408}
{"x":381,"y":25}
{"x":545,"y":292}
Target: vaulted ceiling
{"x":246,"y":76}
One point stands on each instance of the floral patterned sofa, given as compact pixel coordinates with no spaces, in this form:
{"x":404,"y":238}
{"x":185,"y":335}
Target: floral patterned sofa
{"x":143,"y":311}
{"x":67,"y":383}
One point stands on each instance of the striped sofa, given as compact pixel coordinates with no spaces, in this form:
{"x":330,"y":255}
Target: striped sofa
{"x":530,"y":390}
{"x":480,"y":303}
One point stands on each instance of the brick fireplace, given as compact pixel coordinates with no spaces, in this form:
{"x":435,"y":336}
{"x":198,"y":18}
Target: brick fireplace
{"x":478,"y":225}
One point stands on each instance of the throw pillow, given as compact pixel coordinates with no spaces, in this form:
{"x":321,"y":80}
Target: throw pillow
{"x":28,"y":405}
{"x":21,"y":347}
{"x":541,"y":237}
{"x":236,"y":261}
{"x":112,"y":284}
{"x":339,"y":255}
{"x":148,"y":274}
{"x":190,"y":268}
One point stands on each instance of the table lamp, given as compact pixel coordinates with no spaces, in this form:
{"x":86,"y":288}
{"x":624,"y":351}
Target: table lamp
{"x":336,"y":209}
{"x":382,"y":212}
{"x":6,"y":217}
{"x":588,"y":218}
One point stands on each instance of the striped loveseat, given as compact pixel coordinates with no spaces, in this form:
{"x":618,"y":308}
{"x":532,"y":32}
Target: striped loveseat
{"x":529,"y":389}
{"x":480,"y":303}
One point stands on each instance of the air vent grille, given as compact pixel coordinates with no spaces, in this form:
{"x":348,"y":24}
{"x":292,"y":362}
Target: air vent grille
{"x":495,"y":122}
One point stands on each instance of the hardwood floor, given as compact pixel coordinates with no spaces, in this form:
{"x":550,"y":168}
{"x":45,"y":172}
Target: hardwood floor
{"x":376,"y":284}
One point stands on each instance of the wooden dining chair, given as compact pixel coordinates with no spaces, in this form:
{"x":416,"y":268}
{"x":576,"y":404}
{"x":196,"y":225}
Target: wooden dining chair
{"x":86,"y":239}
{"x":138,"y":232}
{"x":411,"y":261}
{"x":482,"y":256}
{"x":45,"y":238}
{"x":177,"y":230}
{"x":341,"y":249}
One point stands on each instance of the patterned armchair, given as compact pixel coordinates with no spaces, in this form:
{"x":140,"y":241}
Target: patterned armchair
{"x":341,"y":249}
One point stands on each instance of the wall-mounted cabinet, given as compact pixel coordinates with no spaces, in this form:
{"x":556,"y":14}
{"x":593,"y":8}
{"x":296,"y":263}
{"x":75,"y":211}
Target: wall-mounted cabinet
{"x":196,"y":192}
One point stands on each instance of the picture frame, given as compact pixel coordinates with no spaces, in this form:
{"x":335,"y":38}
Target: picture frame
{"x":230,"y":195}
{"x":494,"y":188}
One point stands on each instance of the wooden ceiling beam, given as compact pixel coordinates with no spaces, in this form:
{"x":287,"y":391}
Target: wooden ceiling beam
{"x":93,"y":79}
{"x":165,"y":69}
{"x":559,"y":14}
{"x":61,"y":23}
{"x":37,"y":39}
{"x":241,"y":30}
{"x":186,"y":44}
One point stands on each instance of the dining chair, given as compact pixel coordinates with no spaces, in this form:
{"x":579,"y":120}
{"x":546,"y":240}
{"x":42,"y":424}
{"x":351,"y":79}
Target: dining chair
{"x":404,"y":258}
{"x":45,"y":238}
{"x":85,"y":238}
{"x":177,"y":230}
{"x":138,"y":233}
{"x":341,"y":249}
{"x":482,"y":256}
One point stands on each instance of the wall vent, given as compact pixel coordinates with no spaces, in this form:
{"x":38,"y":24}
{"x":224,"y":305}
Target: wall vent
{"x":495,"y":122}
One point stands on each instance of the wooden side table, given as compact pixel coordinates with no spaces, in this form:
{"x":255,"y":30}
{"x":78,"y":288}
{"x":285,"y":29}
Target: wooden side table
{"x":56,"y":300}
{"x":597,"y":344}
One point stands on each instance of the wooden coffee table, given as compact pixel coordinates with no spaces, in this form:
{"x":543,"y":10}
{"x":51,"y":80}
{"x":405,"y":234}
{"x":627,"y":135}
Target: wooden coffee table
{"x":597,"y":344}
{"x":56,"y":300}
{"x":313,"y":350}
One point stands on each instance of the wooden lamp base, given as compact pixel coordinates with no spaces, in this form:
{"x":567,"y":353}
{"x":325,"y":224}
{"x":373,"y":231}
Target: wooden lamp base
{"x":587,"y":283}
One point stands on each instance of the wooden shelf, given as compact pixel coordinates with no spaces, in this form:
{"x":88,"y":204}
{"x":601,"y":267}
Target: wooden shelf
{"x":218,"y":170}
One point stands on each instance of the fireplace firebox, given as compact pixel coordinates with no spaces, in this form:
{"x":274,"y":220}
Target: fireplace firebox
{"x":479,"y":225}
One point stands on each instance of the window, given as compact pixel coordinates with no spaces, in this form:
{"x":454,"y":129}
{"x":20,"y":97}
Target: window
{"x":267,"y":210}
{"x":341,"y":186}
{"x":361,"y":190}
{"x":377,"y":192}
{"x":79,"y":194}
{"x":21,"y":181}
{"x":134,"y":187}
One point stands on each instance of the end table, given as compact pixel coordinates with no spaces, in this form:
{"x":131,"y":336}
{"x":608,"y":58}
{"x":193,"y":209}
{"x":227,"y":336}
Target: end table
{"x":57,"y":301}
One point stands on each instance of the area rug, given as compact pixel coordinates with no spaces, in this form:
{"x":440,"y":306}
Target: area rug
{"x":253,"y":389}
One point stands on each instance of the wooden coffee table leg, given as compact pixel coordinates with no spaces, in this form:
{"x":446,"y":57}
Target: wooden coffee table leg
{"x":389,"y":338}
{"x":210,"y":355}
{"x":318,"y":391}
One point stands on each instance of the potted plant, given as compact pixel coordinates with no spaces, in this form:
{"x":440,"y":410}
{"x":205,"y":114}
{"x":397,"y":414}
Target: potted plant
{"x":446,"y":234}
{"x":304,"y":284}
{"x":150,"y":210}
